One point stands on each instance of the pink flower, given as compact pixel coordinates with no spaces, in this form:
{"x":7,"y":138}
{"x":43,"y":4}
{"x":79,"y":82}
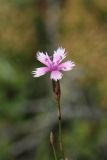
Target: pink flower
{"x":53,"y":64}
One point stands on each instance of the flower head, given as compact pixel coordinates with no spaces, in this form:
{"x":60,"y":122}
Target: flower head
{"x":53,"y":64}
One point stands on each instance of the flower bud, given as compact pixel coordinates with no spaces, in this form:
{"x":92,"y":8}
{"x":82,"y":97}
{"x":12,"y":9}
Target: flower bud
{"x":51,"y":138}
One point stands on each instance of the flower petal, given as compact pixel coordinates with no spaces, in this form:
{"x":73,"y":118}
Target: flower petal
{"x":40,"y":71}
{"x":56,"y":75}
{"x":66,"y":66}
{"x":59,"y":55}
{"x":44,"y":58}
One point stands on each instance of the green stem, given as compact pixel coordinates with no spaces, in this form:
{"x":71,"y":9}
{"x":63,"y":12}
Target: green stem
{"x":54,"y":152}
{"x":60,"y":130}
{"x":52,"y":143}
{"x":57,"y":92}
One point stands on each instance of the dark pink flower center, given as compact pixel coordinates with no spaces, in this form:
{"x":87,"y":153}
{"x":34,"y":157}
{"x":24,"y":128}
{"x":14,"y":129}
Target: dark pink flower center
{"x":53,"y":67}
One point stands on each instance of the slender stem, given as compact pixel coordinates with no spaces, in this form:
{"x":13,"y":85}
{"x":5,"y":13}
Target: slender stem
{"x":54,"y":152}
{"x":52,"y":143}
{"x":57,"y":92}
{"x":60,"y":130}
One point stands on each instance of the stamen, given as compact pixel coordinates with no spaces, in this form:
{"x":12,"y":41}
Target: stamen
{"x":60,"y":57}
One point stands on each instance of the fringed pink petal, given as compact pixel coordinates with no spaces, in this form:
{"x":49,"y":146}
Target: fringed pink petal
{"x":56,"y":75}
{"x":59,"y":55}
{"x":40,"y":71}
{"x":66,"y":66}
{"x":44,"y":58}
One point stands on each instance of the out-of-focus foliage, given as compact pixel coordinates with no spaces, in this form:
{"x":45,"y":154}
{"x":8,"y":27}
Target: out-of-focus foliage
{"x":28,"y":111}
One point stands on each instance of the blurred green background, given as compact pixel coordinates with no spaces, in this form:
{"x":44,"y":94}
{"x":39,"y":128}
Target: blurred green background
{"x":28,"y":109}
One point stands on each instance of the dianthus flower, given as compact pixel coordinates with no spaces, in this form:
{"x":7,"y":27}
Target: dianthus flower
{"x":53,"y":64}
